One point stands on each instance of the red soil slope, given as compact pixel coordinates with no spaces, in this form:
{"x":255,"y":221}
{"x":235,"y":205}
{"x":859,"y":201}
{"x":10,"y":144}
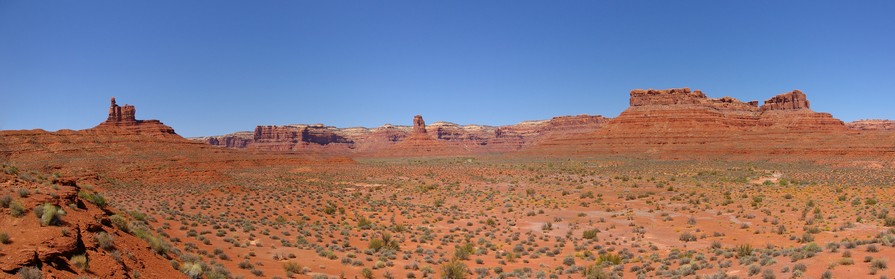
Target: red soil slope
{"x":54,"y":247}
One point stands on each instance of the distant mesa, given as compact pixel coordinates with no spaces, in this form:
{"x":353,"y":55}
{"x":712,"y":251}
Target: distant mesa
{"x":685,"y":123}
{"x":672,"y":123}
{"x":872,"y":125}
{"x":417,"y":139}
{"x":122,"y":121}
{"x":794,"y":100}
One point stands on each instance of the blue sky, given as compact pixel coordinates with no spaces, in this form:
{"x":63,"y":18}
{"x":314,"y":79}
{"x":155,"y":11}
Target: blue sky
{"x":214,"y":67}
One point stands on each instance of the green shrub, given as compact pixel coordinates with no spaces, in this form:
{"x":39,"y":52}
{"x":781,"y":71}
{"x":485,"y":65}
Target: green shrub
{"x":292,"y":267}
{"x":878,"y":263}
{"x":588,"y":194}
{"x":95,"y":198}
{"x":11,"y":170}
{"x":384,"y":242}
{"x":364,"y":223}
{"x":455,"y":269}
{"x":376,"y":244}
{"x":744,"y":250}
{"x":609,"y":258}
{"x":16,"y":209}
{"x":49,"y":214}
{"x":890,"y":221}
{"x":158,"y":245}
{"x":590,"y":234}
{"x":29,"y":272}
{"x":192,"y":270}
{"x":79,"y":261}
{"x":687,"y":237}
{"x":105,"y":241}
{"x":4,"y":238}
{"x":120,"y":222}
{"x":139,"y":216}
{"x":594,"y":272}
{"x":367,"y":273}
{"x":5,"y":200}
{"x":463,"y":251}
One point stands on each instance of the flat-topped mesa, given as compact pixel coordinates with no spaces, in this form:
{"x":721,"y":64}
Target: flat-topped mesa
{"x":872,"y":125}
{"x":685,"y":96}
{"x":788,"y":101}
{"x":419,"y":125}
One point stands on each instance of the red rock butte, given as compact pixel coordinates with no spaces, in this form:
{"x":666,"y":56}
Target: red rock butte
{"x":122,"y":120}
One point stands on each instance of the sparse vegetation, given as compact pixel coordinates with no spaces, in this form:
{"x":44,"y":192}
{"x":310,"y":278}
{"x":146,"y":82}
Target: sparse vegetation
{"x":49,"y":214}
{"x":454,"y":269}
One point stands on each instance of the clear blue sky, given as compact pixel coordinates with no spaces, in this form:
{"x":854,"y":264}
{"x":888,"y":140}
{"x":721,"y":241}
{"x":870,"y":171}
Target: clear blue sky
{"x":214,"y":67}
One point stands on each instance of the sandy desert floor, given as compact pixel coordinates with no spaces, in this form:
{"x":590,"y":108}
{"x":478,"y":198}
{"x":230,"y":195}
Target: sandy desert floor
{"x":505,"y":217}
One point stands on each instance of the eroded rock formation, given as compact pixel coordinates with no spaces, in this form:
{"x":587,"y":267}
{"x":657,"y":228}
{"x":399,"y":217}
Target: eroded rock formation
{"x":125,"y":114}
{"x":122,"y":120}
{"x":419,"y":126}
{"x":464,"y":139}
{"x":788,"y":101}
{"x":684,"y":122}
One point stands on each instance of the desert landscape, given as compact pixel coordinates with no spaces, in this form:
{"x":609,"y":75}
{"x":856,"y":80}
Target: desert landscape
{"x":678,"y":185}
{"x":435,"y":139}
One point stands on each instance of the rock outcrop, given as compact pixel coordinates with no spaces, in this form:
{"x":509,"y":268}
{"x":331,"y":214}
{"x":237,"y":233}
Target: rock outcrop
{"x":234,"y":140}
{"x":468,"y":139}
{"x":872,"y":125}
{"x":789,"y":101}
{"x":681,"y":122}
{"x":125,"y":114}
{"x":298,"y":137}
{"x":51,"y":248}
{"x":122,"y":120}
{"x":670,"y":123}
{"x":419,"y":126}
{"x":674,"y":96}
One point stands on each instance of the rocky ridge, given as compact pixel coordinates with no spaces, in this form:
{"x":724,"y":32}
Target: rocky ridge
{"x":463,"y":139}
{"x":684,"y":123}
{"x":872,"y":125}
{"x":82,"y":241}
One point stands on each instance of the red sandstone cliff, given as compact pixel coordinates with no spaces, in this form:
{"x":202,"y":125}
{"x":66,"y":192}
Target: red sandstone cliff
{"x":673,"y":123}
{"x":680,"y":123}
{"x":464,"y":139}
